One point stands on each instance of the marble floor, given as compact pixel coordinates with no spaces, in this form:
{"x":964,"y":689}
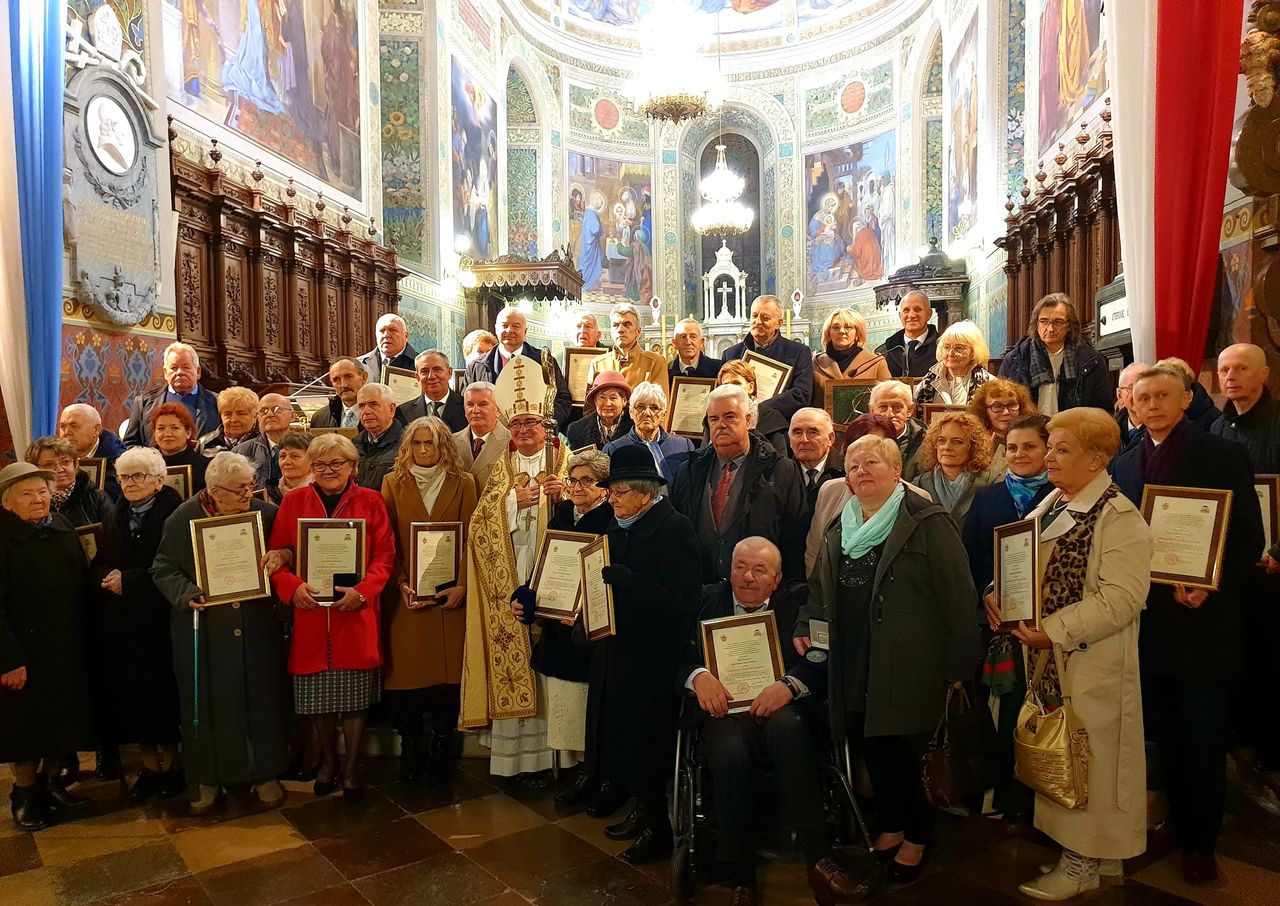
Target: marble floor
{"x":480,"y":843}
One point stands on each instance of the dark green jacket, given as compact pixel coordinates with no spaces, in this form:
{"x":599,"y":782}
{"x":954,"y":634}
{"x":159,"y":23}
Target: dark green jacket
{"x":923,"y":634}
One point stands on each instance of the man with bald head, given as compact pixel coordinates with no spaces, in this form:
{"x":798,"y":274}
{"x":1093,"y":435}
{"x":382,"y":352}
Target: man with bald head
{"x":912,"y":351}
{"x":511,"y":327}
{"x":765,"y":338}
{"x":1126,"y":418}
{"x":1250,"y":416}
{"x":275,"y":414}
{"x":81,"y":424}
{"x":393,"y":349}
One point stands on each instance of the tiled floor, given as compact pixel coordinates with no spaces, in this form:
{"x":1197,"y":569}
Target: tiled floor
{"x":475,"y":843}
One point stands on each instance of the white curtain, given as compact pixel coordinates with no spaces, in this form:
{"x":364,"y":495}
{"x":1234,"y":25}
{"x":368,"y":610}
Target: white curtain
{"x":15,"y":372}
{"x":1130,"y":29}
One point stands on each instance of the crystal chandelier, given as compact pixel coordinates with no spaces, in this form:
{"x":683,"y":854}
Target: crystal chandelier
{"x":721,"y":213}
{"x":674,"y":83}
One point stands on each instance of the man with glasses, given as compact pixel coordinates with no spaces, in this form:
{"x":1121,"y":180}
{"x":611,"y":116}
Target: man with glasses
{"x":1055,"y":363}
{"x":892,"y":399}
{"x":275,"y":414}
{"x":379,"y":437}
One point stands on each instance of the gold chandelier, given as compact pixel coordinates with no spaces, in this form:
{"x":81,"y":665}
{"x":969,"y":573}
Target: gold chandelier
{"x":674,"y":82}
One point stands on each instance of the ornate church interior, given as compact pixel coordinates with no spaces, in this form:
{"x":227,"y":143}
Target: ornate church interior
{"x":302,"y":199}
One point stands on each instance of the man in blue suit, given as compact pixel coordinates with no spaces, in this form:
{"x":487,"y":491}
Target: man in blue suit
{"x":511,"y":326}
{"x":765,"y":337}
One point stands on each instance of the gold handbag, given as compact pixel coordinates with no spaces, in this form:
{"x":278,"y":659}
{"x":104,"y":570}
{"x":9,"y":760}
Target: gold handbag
{"x":1051,"y":748}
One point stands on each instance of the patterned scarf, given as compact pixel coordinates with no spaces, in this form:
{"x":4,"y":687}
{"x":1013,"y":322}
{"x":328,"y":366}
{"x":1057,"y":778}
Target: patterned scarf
{"x":60,"y":498}
{"x":1063,"y":584}
{"x":1024,"y":490}
{"x":1041,"y":369}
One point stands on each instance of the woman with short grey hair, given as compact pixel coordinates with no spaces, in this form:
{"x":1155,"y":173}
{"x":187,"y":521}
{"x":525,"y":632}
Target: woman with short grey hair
{"x":648,"y":406}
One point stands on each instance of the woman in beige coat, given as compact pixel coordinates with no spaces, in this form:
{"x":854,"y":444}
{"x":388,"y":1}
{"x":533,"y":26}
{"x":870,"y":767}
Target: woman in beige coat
{"x":1095,"y":556}
{"x":424,"y":637}
{"x":844,"y":338}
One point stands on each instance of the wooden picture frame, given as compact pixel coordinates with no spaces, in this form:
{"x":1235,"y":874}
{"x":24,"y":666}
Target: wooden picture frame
{"x":322,"y":553}
{"x":1188,"y":533}
{"x":227,"y":552}
{"x":772,"y":376}
{"x":929,"y":410}
{"x":687,"y":408}
{"x":90,"y":537}
{"x":577,"y":363}
{"x":559,"y":561}
{"x":1016,"y":572}
{"x":847,"y":398}
{"x":448,"y":534}
{"x":597,"y":595}
{"x":179,"y":478}
{"x":96,"y":468}
{"x":736,"y":648}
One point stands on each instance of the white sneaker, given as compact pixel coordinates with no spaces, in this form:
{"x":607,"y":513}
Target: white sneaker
{"x":1072,"y":876}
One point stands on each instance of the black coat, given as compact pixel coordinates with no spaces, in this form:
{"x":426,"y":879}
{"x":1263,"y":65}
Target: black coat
{"x":452,"y":415}
{"x":799,"y":387}
{"x":485,"y":368}
{"x":585,"y":432}
{"x":1202,"y":410}
{"x":992,"y":507}
{"x":198,"y":463}
{"x":1207,"y":642}
{"x":109,"y":448}
{"x":373,"y":361}
{"x":925,"y":357}
{"x":1258,"y":431}
{"x":139,"y":433}
{"x":923,"y":634}
{"x":86,"y":505}
{"x":135,"y":624}
{"x":377,"y":456}
{"x":563,"y":651}
{"x":44,"y":626}
{"x":1090,"y":386}
{"x":707,"y":367}
{"x":773,"y":505}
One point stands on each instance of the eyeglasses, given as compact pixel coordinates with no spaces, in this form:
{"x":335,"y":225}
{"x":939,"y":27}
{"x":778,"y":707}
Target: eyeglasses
{"x":950,"y":349}
{"x":523,"y":426}
{"x":646,"y":407}
{"x":583,"y":483}
{"x":273,"y":410}
{"x":618,"y":490}
{"x":135,"y":477}
{"x":242,"y":491}
{"x":1003,"y":407}
{"x":843,"y":328}
{"x":336,"y":465}
{"x":1055,"y":323}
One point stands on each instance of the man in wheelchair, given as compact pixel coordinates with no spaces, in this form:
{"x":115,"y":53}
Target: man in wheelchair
{"x":778,"y":730}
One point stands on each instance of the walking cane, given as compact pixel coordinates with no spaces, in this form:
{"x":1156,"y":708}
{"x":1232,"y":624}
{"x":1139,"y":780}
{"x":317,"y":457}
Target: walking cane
{"x":195,"y":690}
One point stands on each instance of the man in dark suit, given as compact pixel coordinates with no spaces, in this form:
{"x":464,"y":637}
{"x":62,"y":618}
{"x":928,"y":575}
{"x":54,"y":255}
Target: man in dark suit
{"x":912,"y":351}
{"x":393,"y":349}
{"x":765,"y":337}
{"x":437,"y":399}
{"x":779,"y":728}
{"x":689,"y":360}
{"x":346,"y":377}
{"x":811,"y":437}
{"x":737,"y":486}
{"x":379,"y":437}
{"x":1191,"y":645}
{"x":181,"y":385}
{"x":511,"y":328}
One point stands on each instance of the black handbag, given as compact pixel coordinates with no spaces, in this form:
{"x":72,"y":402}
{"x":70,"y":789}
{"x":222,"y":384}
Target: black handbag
{"x":962,"y":755}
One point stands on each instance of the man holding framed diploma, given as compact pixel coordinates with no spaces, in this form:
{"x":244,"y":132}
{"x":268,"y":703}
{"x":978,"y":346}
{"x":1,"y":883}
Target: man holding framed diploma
{"x":1196,"y":492}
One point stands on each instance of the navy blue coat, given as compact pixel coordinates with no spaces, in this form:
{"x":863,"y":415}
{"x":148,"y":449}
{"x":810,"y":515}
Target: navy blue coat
{"x":992,"y":507}
{"x":139,"y":433}
{"x":706,"y":367}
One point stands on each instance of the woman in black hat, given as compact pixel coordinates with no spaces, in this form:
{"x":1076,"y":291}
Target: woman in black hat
{"x":656,"y":578}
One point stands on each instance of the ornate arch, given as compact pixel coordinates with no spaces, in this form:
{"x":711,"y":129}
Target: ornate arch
{"x":538,"y":136}
{"x":926,"y":136}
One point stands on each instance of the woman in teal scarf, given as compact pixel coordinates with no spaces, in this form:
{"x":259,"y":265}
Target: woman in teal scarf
{"x":892,"y":581}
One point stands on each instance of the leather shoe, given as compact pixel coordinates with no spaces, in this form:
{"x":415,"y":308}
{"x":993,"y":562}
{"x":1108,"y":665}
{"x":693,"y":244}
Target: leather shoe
{"x":64,"y":800}
{"x":628,"y":828}
{"x":901,"y":873}
{"x":609,"y":798}
{"x":577,"y":792}
{"x":652,"y":844}
{"x":743,"y":896}
{"x":30,"y":813}
{"x":832,"y":884}
{"x":1199,"y":866}
{"x":323,"y":788}
{"x":145,"y":786}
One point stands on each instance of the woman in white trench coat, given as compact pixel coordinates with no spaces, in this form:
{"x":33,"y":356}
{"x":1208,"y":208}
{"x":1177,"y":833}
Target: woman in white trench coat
{"x":1095,"y":556}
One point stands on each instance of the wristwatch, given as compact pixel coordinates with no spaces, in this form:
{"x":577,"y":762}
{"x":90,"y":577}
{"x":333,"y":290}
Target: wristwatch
{"x":790,"y":684}
{"x":362,"y":600}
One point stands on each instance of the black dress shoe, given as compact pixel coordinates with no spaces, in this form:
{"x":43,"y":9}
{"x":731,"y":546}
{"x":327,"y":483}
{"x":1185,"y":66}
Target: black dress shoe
{"x":900,"y":873}
{"x":173,"y":783}
{"x":145,"y":786}
{"x":653,"y":844}
{"x":609,"y":798}
{"x":30,"y":813}
{"x":628,"y":828}
{"x":577,"y":792}
{"x":353,"y":793}
{"x":60,"y":799}
{"x":410,"y":759}
{"x":441,"y":760}
{"x":323,"y":788}
{"x":68,"y":772}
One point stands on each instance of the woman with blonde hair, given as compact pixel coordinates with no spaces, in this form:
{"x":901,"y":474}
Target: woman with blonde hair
{"x":955,"y":454}
{"x":844,"y":354}
{"x":423,"y":666}
{"x":962,"y":366}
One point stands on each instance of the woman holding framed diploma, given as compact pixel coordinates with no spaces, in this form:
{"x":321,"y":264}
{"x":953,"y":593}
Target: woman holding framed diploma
{"x":425,"y":634}
{"x":241,"y":697}
{"x":173,"y":432}
{"x":335,"y":656}
{"x":1096,"y":551}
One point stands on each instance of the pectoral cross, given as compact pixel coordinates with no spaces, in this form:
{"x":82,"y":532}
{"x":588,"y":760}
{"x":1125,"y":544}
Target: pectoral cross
{"x":724,"y":292}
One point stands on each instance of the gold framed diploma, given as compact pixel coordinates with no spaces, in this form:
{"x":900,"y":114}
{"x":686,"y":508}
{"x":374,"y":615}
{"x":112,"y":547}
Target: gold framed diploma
{"x":329,"y":548}
{"x":771,"y":375}
{"x":688,"y":407}
{"x":404,"y":385}
{"x":1016,"y":572}
{"x":597,"y":594}
{"x":929,"y":410}
{"x":1188,"y":534}
{"x":307,"y":405}
{"x":1268,"y":490}
{"x":557,"y":575}
{"x":96,"y":468}
{"x":90,"y":539}
{"x":743,"y":653}
{"x":435,"y":557}
{"x":577,"y":364}
{"x":179,"y":478}
{"x":228,"y":554}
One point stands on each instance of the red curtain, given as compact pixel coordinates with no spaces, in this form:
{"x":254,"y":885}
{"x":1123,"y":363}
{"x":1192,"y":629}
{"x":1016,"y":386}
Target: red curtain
{"x":1197,"y":62}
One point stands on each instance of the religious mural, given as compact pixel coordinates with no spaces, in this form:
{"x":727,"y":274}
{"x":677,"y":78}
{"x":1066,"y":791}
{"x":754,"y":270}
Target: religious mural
{"x":962,"y":155}
{"x":1072,"y":65}
{"x":852,"y":226}
{"x":474,"y":146}
{"x":611,"y":227}
{"x":730,"y":17}
{"x":285,"y":74}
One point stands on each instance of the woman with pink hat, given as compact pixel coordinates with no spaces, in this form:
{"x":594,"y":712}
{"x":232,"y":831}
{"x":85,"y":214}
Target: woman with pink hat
{"x":608,"y":395}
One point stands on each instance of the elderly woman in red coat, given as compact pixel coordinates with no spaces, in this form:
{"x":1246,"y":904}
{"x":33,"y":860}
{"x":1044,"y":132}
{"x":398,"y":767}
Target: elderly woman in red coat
{"x":335,"y":656}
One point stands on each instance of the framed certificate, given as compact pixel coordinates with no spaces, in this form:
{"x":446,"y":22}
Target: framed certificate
{"x":846,"y":399}
{"x":929,"y":410}
{"x":228,"y":552}
{"x":557,"y":576}
{"x":308,"y":405}
{"x":435,"y":557}
{"x":771,"y":375}
{"x":329,"y":548}
{"x":1268,"y":488}
{"x":90,"y":539}
{"x":589,"y":448}
{"x":403,"y":383}
{"x":688,"y":407}
{"x":743,"y":653}
{"x":820,"y":634}
{"x":577,"y":362}
{"x":179,"y":478}
{"x":1017,"y":572}
{"x":597,"y":594}
{"x":261,"y":494}
{"x":96,"y":468}
{"x":1188,"y":531}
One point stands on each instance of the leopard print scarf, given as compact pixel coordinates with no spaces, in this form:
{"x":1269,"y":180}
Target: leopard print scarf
{"x":1063,"y":585}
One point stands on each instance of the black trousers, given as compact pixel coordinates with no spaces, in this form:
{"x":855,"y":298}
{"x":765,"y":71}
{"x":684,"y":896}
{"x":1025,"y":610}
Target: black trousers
{"x":893,"y":764}
{"x":737,"y":747}
{"x":1253,"y":693}
{"x":432,"y":708}
{"x":1188,"y":720}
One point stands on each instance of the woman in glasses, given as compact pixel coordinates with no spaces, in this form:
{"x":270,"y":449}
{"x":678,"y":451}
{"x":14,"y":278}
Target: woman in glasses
{"x":961,"y":368}
{"x":997,"y":405}
{"x":956,"y":454}
{"x":844,"y":354}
